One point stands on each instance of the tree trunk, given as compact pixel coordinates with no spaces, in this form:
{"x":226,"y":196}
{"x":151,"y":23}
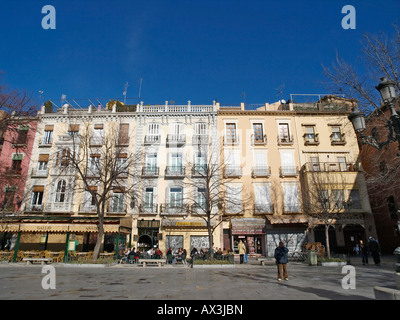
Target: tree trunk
{"x":328,"y":248}
{"x":96,"y":250}
{"x":210,"y":238}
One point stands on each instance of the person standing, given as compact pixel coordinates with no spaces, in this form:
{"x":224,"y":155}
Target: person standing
{"x":242,"y":251}
{"x":245,"y":259}
{"x":364,"y":253}
{"x":374,"y":249}
{"x":281,"y":257}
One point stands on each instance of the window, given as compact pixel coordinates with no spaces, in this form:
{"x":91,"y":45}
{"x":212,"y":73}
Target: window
{"x":8,"y":202}
{"x":43,"y":162}
{"x":153,"y":133}
{"x":148,"y":198}
{"x":201,"y":198}
{"x":98,"y":133}
{"x":258,"y":133}
{"x":175,"y":197}
{"x":37,"y":196}
{"x":123,"y":136}
{"x":336,"y":134}
{"x":200,"y":163}
{"x":310,"y":134}
{"x":60,"y":191}
{"x":342,"y":163}
{"x":323,"y":199}
{"x":200,"y":129}
{"x":63,"y":157}
{"x":231,"y":136}
{"x":291,"y":198}
{"x":354,"y":200}
{"x":315,"y":163}
{"x":22,"y":135}
{"x":121,"y":164}
{"x":48,"y":135}
{"x":262,"y":198}
{"x":16,"y":166}
{"x":288,"y":163}
{"x":284,"y":133}
{"x":338,"y":199}
{"x":233,"y":198}
{"x":260,"y":164}
{"x":176,"y":162}
{"x":118,"y":201}
{"x":73,"y":130}
{"x":94,"y":164}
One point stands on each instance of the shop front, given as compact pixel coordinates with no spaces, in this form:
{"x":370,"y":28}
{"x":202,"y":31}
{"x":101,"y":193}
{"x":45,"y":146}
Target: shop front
{"x":62,"y":235}
{"x":251,"y":230}
{"x":290,"y":229}
{"x":187,"y":234}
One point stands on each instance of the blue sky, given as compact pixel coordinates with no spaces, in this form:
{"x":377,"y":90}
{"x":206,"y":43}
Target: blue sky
{"x":196,"y":50}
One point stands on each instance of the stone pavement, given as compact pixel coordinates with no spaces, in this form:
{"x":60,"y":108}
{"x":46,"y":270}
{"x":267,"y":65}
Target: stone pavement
{"x":244,"y":282}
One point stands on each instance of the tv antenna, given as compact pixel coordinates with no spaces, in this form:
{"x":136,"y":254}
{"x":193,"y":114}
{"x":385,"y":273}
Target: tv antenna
{"x":140,"y":88}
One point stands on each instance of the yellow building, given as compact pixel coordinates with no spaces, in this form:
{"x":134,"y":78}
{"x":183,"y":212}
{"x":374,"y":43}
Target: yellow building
{"x":275,"y":150}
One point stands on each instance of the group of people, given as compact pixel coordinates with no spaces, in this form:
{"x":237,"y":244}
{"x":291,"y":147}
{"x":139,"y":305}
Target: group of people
{"x":178,"y":256}
{"x":371,"y":247}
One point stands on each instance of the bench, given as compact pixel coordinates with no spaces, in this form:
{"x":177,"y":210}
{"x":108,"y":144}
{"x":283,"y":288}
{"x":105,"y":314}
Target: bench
{"x":159,"y":262}
{"x":39,"y":260}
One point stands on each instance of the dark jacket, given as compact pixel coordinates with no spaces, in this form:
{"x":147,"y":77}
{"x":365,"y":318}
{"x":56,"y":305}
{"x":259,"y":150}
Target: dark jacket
{"x":281,"y":255}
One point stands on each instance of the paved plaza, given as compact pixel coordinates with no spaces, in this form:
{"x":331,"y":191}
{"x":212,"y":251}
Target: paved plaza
{"x":244,"y":282}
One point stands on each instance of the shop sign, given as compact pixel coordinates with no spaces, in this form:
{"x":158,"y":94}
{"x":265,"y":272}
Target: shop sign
{"x":188,"y":224}
{"x":254,"y":230}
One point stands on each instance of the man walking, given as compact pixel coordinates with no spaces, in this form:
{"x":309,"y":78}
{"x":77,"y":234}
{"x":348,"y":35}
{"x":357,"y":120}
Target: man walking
{"x":242,"y":251}
{"x":374,"y":249}
{"x":281,"y":257}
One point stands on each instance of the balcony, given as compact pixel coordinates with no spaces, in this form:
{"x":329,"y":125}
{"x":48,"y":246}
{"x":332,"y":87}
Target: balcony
{"x":232,"y":172}
{"x":199,"y":170}
{"x":150,"y":172}
{"x":258,"y":140}
{"x":289,"y":171}
{"x":231,"y":141}
{"x":175,"y":172}
{"x":96,"y":141}
{"x":291,"y":208}
{"x":331,"y":167}
{"x":179,"y":209}
{"x":10,"y":171}
{"x":338,"y":139}
{"x":311,"y":139}
{"x":263,"y":208}
{"x":176,"y":139}
{"x":146,"y":208}
{"x":59,"y":207}
{"x":201,"y":139}
{"x":261,"y":172}
{"x":35,"y":208}
{"x":117,"y":209}
{"x":39,"y":173}
{"x":87,"y":209}
{"x":65,"y":170}
{"x":285,"y":140}
{"x":152,"y":139}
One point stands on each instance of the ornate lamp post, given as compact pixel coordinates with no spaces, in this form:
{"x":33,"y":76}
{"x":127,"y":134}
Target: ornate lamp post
{"x":387,"y":90}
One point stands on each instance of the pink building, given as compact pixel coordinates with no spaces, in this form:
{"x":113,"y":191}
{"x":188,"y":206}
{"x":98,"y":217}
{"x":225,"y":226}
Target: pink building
{"x":15,"y":154}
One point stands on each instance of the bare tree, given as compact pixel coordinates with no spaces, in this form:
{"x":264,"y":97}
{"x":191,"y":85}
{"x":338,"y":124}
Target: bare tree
{"x":213,"y":195}
{"x":380,"y":57}
{"x":324,"y":194}
{"x":106,"y":172}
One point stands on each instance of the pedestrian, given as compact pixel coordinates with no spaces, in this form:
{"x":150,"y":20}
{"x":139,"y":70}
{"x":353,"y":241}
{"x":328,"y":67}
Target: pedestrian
{"x":242,"y":251}
{"x":245,"y":260}
{"x":364,"y":253}
{"x":374,"y":249}
{"x":281,"y":257}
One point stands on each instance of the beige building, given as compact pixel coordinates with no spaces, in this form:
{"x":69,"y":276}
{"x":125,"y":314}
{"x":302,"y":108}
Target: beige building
{"x":276,"y":150}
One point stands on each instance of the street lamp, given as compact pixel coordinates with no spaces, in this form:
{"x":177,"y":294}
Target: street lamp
{"x":387,"y":90}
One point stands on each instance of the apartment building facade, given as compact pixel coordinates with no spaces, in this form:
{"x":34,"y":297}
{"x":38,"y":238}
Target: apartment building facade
{"x":265,"y":159}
